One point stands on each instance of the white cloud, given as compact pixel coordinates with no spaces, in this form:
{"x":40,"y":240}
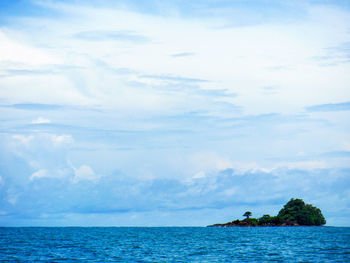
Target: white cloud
{"x":306,"y":165}
{"x":84,"y":173}
{"x":14,"y":51}
{"x":54,"y":172}
{"x":231,"y":191}
{"x":206,"y":161}
{"x":346,"y":146}
{"x":249,"y":52}
{"x":12,"y":196}
{"x":192,"y":180}
{"x":23,"y":139}
{"x":199,"y":175}
{"x":39,"y":174}
{"x":40,"y":120}
{"x":42,"y":141}
{"x":150,"y":107}
{"x":59,"y":140}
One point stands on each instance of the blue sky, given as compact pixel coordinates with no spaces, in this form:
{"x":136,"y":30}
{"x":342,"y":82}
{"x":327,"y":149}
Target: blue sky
{"x":134,"y":113}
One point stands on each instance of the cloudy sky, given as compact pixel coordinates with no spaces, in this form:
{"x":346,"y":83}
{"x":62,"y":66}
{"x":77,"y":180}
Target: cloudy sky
{"x":163,"y":113}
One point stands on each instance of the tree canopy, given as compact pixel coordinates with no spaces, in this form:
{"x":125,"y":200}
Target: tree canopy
{"x":303,"y":214}
{"x":294,"y":213}
{"x":247,"y":214}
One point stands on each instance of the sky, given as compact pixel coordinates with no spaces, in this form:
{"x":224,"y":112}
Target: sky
{"x":172,"y":113}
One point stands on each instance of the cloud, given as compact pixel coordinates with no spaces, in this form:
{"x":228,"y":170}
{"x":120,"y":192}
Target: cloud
{"x":99,"y":85}
{"x":210,"y":160}
{"x":262,"y":191}
{"x":161,"y":110}
{"x":84,"y":172}
{"x":335,"y":55}
{"x":40,"y":120}
{"x":39,"y":174}
{"x":217,"y":92}
{"x":39,"y":155}
{"x":23,"y":139}
{"x":12,"y":197}
{"x":344,"y":106}
{"x":59,"y":140}
{"x":173,"y":78}
{"x":305,"y":165}
{"x":270,"y":90}
{"x":336,"y":154}
{"x":34,"y":106}
{"x":103,"y":35}
{"x":183,"y":54}
{"x":17,"y":52}
{"x":18,"y":72}
{"x":42,"y":139}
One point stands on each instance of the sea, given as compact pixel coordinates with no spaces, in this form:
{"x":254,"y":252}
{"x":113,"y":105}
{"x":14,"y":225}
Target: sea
{"x":174,"y":244}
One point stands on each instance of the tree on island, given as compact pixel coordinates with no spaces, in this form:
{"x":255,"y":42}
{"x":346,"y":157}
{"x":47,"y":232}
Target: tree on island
{"x":264,"y":220}
{"x":294,"y":213}
{"x":247,"y":214}
{"x":302,"y":214}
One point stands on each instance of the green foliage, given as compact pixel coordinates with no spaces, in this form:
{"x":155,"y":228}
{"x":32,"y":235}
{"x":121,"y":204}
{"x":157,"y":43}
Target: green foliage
{"x":265,"y":220}
{"x":247,"y":214}
{"x":294,"y":213}
{"x":252,"y":221}
{"x":303,"y":214}
{"x":276,"y":220}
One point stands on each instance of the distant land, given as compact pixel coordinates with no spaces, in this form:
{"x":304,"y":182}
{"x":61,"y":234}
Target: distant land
{"x":294,"y":213}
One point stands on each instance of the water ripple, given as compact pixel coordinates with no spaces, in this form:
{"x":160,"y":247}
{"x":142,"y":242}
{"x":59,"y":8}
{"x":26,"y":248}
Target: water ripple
{"x":270,"y":244}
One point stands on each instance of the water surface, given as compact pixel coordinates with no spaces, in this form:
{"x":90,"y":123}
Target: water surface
{"x":176,"y":244}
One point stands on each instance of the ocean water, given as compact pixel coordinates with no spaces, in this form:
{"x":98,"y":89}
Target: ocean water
{"x":175,"y":244}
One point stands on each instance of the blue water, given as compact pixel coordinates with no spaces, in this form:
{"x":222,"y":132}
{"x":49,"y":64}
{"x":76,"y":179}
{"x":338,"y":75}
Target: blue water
{"x":176,"y":244}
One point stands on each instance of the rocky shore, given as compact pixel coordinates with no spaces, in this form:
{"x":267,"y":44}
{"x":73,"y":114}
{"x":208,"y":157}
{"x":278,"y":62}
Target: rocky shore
{"x":249,"y":223}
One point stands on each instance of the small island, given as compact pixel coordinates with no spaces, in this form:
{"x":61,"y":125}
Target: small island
{"x":294,"y":213}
